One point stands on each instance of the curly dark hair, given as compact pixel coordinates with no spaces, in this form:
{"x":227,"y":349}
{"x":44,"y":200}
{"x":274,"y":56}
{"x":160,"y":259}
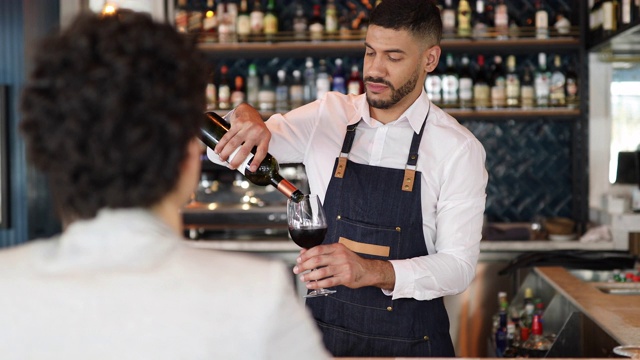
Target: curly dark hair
{"x":109,"y":110}
{"x":420,"y":17}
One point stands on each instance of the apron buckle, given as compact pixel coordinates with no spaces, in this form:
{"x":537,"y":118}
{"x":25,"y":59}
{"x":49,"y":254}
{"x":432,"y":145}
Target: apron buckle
{"x":409,"y":178}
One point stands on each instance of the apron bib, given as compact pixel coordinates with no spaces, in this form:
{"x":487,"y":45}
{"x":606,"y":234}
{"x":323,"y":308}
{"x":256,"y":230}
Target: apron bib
{"x":377,"y":213}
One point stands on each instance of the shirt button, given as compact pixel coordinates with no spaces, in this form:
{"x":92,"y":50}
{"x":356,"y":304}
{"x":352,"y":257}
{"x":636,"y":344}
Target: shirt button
{"x":426,"y":338}
{"x":398,"y":229}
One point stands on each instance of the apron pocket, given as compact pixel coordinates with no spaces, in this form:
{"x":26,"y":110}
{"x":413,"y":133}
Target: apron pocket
{"x":368,"y":240}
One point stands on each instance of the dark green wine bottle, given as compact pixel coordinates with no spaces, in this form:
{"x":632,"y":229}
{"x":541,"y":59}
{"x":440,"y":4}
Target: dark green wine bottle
{"x":268,"y":173}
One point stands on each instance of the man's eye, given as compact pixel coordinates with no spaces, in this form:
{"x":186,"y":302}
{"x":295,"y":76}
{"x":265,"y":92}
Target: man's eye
{"x":393,"y":59}
{"x":368,"y":53}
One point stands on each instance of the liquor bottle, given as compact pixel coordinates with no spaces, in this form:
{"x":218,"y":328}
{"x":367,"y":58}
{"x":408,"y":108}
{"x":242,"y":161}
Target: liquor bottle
{"x":595,"y":19}
{"x":433,"y":86}
{"x":498,"y":84}
{"x":209,"y":23}
{"x":331,"y":17}
{"x":299,"y":22}
{"x":542,"y":80}
{"x":480,"y":22}
{"x":224,"y":90}
{"x":464,"y":19}
{"x":527,"y":91}
{"x":253,"y":85}
{"x":182,"y":16}
{"x":501,"y":20}
{"x":501,"y":331}
{"x":257,"y":18}
{"x":627,"y":12}
{"x":238,"y":95}
{"x":465,"y":82}
{"x":339,"y":83}
{"x":609,"y":17}
{"x":243,"y":23}
{"x":571,"y":87}
{"x":225,"y":24}
{"x":562,"y":25}
{"x":309,"y":81}
{"x":194,"y":22}
{"x":537,"y":345}
{"x":323,"y":83}
{"x":355,"y":85}
{"x":211,"y":91}
{"x":296,"y":90}
{"x":481,"y":89}
{"x":557,"y":94}
{"x":526,"y":317}
{"x":513,"y":341}
{"x":450,"y":84}
{"x":316,"y":25}
{"x":268,"y":173}
{"x":542,"y":21}
{"x":271,"y":20}
{"x":448,"y":19}
{"x":282,"y":92}
{"x":512,"y":81}
{"x":267,"y":94}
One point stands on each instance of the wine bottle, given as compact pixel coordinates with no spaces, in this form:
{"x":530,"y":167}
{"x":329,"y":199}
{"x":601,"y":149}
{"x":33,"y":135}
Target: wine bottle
{"x":268,"y":173}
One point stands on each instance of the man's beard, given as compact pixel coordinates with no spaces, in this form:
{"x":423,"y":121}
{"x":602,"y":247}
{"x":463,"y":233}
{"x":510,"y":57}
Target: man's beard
{"x":396,"y":95}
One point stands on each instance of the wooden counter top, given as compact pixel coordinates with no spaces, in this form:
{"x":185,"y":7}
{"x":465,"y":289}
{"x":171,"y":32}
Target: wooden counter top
{"x":617,"y":315}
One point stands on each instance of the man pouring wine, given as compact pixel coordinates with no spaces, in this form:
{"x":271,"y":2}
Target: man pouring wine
{"x":403,"y":187}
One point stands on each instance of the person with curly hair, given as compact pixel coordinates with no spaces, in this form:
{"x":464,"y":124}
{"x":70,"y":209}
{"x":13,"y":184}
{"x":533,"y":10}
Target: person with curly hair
{"x":111,"y":116}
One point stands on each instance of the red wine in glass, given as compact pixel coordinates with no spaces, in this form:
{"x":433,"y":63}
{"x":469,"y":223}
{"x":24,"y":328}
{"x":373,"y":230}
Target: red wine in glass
{"x":308,"y":237}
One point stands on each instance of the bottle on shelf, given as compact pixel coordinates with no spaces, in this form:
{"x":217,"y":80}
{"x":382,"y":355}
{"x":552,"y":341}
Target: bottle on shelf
{"x":464,"y":19}
{"x":562,"y":25}
{"x":557,"y":96}
{"x":282,"y":92}
{"x":481,"y":89}
{"x":480,"y":20}
{"x":527,"y":90}
{"x":181,"y":17}
{"x":339,"y":83}
{"x":542,"y":21}
{"x":243,"y":23}
{"x":267,"y":94}
{"x":501,"y":331}
{"x":537,"y":345}
{"x":226,"y":23}
{"x":316,"y":25}
{"x":194,"y":22}
{"x":355,"y":85}
{"x":450,"y":84}
{"x":238,"y":95}
{"x":323,"y":83}
{"x":268,"y":173}
{"x":257,"y":18}
{"x":309,"y":81}
{"x":571,"y":87}
{"x":224,"y":89}
{"x":609,"y":17}
{"x":271,"y":20}
{"x":448,"y":14}
{"x":299,"y":22}
{"x":331,"y":18}
{"x":498,"y":84}
{"x":595,"y":19}
{"x":512,"y":83}
{"x":465,"y":83}
{"x":433,"y":86}
{"x":513,"y":341}
{"x":501,"y":20}
{"x":627,"y":13}
{"x":211,"y":91}
{"x":253,"y":85}
{"x":209,"y":23}
{"x":542,"y":82}
{"x":296,"y":90}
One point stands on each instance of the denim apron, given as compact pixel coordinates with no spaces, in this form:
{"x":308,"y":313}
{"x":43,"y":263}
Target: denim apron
{"x":377,"y":213}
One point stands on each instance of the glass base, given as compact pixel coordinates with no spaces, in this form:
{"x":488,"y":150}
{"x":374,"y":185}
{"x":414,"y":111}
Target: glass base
{"x":319,"y":292}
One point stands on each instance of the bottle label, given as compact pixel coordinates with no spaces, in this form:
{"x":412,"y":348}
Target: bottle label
{"x":211,"y":94}
{"x":353,"y":88}
{"x":481,"y":96}
{"x":257,"y":22}
{"x":466,"y":89}
{"x":448,"y":20}
{"x":243,"y":25}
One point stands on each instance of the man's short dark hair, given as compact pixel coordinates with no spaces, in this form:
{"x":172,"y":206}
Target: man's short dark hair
{"x":109,"y":110}
{"x":420,"y":17}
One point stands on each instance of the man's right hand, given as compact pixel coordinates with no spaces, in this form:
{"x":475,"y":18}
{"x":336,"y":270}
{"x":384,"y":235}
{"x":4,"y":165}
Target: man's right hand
{"x":247,"y":130}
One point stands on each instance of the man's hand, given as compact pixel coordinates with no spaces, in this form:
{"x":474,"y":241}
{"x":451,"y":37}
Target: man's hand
{"x":247,"y":129}
{"x":335,"y":264}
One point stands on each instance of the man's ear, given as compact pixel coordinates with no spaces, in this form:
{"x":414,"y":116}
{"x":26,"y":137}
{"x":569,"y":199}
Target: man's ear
{"x":431,"y":58}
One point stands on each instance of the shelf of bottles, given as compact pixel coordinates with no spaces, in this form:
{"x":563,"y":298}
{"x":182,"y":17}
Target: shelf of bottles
{"x":614,"y":25}
{"x":275,"y":36}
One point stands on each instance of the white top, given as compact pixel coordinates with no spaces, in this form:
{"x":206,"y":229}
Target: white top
{"x":124,"y":286}
{"x":453,"y":178}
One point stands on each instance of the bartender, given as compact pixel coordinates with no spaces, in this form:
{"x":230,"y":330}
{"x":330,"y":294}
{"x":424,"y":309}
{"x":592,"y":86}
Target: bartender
{"x":403,"y":186}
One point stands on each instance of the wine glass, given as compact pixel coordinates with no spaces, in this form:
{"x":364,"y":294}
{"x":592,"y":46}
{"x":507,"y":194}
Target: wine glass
{"x":632,"y":351}
{"x":307,"y":227}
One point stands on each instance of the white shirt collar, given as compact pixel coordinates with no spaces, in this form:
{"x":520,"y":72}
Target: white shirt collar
{"x":415,"y":114}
